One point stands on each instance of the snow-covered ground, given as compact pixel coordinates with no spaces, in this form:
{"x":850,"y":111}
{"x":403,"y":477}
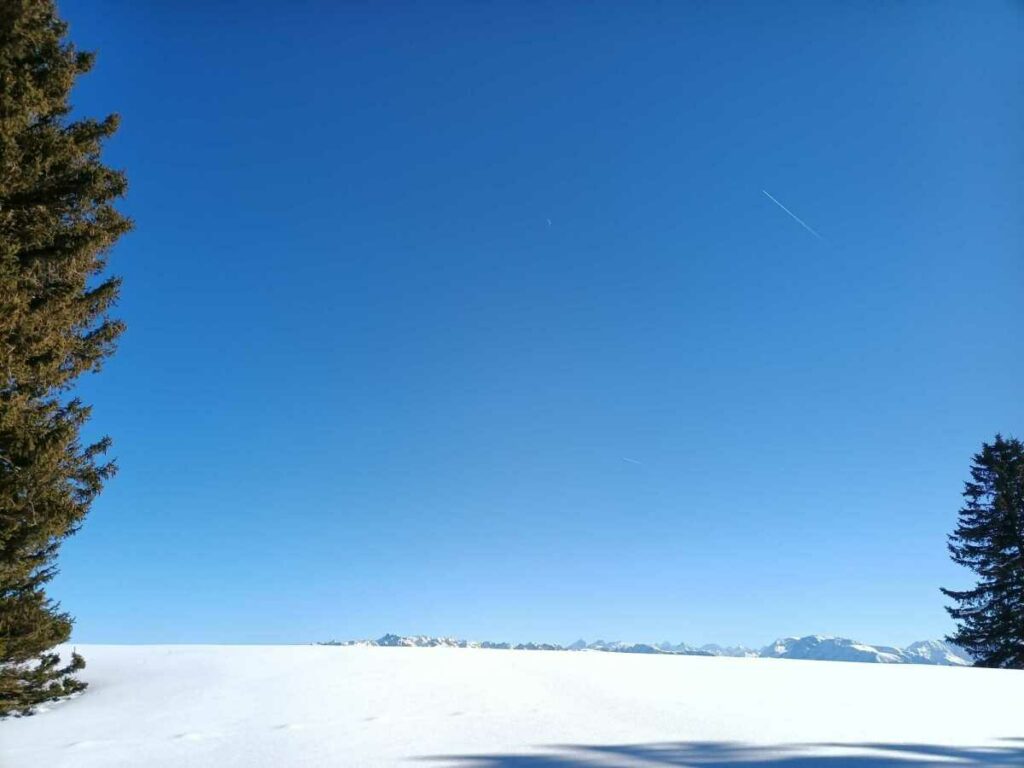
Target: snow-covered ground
{"x":333,"y":707}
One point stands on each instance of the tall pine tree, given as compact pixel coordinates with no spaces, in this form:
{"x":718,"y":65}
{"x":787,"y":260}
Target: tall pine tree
{"x":989,"y":539}
{"x":57,"y":224}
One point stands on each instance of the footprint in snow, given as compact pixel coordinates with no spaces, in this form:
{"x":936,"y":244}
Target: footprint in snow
{"x":290,"y":727}
{"x":89,"y":743}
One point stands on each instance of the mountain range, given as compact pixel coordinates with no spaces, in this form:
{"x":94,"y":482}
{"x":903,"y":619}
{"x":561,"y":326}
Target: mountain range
{"x":810,"y":647}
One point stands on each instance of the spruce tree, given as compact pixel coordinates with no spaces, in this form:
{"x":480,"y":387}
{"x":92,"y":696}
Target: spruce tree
{"x":989,"y":539}
{"x":57,"y":224}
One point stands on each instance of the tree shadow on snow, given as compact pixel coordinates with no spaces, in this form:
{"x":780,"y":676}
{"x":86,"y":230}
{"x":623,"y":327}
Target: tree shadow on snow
{"x":719,"y":753}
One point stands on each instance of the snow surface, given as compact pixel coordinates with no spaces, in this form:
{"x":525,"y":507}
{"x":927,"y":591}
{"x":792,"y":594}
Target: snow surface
{"x":332,"y":707}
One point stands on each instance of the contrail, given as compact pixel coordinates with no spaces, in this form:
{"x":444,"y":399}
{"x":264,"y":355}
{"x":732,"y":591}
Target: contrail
{"x":796,"y":218}
{"x":631,"y":461}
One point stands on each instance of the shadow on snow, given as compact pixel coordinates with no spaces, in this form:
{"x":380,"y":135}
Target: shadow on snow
{"x":720,"y":753}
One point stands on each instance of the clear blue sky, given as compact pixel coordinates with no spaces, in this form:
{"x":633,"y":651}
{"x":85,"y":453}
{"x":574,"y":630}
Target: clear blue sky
{"x":473,"y":319}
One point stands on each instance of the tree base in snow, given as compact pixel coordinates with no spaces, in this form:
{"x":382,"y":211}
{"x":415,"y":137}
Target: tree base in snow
{"x":25,"y":686}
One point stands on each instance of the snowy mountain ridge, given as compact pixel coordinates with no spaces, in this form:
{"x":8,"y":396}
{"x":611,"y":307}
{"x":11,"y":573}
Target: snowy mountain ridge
{"x":809,"y":647}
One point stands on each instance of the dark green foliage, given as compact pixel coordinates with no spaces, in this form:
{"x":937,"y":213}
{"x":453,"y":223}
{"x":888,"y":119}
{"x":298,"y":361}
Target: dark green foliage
{"x":57,"y":223}
{"x":989,"y":539}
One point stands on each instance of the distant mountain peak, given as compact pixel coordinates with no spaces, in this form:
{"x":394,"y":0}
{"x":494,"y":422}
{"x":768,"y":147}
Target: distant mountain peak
{"x":809,"y":647}
{"x":831,"y":648}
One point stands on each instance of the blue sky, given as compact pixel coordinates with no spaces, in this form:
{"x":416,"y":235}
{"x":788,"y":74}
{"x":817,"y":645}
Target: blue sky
{"x":474,"y":319}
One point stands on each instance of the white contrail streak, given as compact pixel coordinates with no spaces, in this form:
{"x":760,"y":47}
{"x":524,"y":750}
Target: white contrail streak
{"x":796,"y":218}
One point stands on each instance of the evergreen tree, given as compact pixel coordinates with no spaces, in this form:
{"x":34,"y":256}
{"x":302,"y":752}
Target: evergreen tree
{"x":989,"y":539}
{"x":57,"y":224}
